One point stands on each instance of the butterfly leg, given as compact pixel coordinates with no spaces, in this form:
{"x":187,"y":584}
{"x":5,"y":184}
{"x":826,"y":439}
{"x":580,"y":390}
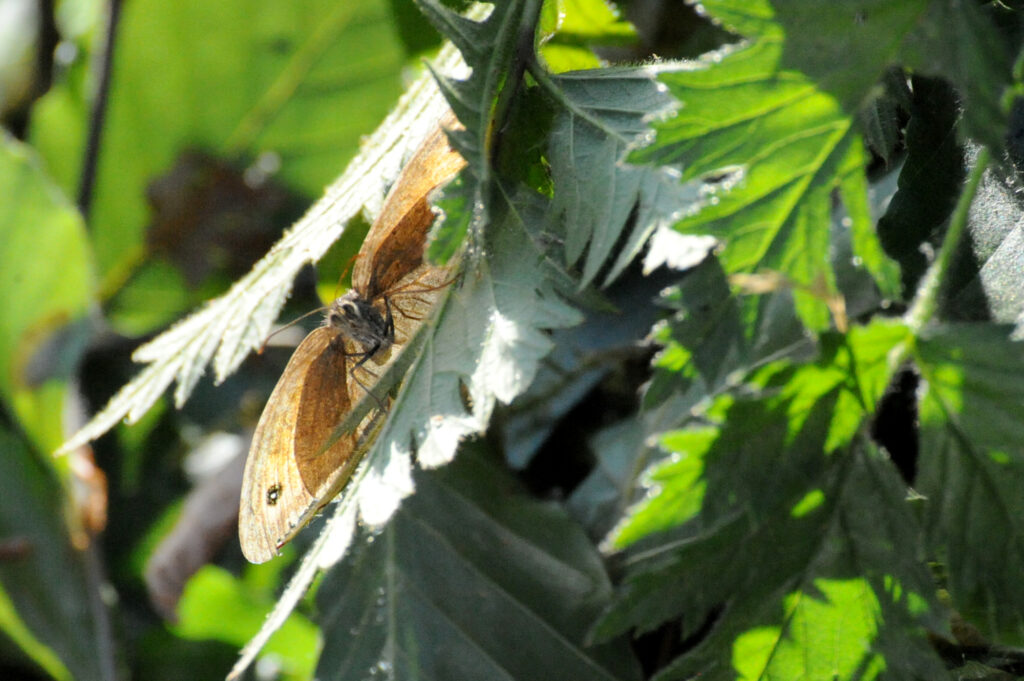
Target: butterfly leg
{"x":365,"y":356}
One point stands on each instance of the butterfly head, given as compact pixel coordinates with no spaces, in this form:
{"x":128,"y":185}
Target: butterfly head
{"x":356,"y":317}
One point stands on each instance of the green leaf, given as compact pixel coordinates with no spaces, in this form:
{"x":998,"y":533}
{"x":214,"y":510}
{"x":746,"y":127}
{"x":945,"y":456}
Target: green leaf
{"x":472,"y":580}
{"x":971,"y":469}
{"x":570,"y":28}
{"x":705,"y":338}
{"x":39,"y":336}
{"x":774,"y":490}
{"x":57,"y":129}
{"x":771,"y":146}
{"x":760,"y":449}
{"x":217,"y":606}
{"x":837,"y":584}
{"x":157,"y":292}
{"x":810,"y":650}
{"x":50,"y":601}
{"x":480,"y":103}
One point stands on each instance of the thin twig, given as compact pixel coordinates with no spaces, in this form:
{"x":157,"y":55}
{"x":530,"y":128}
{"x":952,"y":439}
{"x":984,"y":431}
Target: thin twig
{"x":99,"y":111}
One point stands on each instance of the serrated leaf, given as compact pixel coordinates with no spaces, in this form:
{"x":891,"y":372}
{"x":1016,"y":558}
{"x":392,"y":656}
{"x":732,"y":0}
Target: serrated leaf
{"x":488,"y":47}
{"x":755,"y":459}
{"x":778,"y":140}
{"x":971,"y":469}
{"x":227,"y":329}
{"x":703,"y":337}
{"x":601,"y":115}
{"x":772,"y":148}
{"x":489,"y":336}
{"x":472,"y":580}
{"x":784,"y":586}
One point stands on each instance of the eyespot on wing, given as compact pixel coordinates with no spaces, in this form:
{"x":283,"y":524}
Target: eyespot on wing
{"x":275,"y":501}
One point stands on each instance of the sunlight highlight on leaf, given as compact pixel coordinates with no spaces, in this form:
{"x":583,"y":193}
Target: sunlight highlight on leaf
{"x":829,"y":634}
{"x":795,"y":145}
{"x":812,"y":500}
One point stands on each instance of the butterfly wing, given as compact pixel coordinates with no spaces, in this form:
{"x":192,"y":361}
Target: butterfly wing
{"x":394,"y":245}
{"x":286,"y":479}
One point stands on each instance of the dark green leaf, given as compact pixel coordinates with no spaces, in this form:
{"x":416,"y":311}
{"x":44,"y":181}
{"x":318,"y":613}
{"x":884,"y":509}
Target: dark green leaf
{"x":471,"y":580}
{"x":959,"y":41}
{"x":971,"y":469}
{"x":601,"y":114}
{"x":773,"y":496}
{"x":58,"y":617}
{"x":834,"y":581}
{"x":489,"y":47}
{"x":758,"y":450}
{"x":706,"y":335}
{"x":837,"y":44}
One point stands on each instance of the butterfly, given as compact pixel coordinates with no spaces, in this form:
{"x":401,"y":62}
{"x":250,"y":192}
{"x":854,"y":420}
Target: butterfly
{"x":298,"y":462}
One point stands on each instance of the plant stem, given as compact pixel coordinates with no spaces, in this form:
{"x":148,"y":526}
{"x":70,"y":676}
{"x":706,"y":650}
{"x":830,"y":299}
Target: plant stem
{"x":99,"y":111}
{"x":926,"y":301}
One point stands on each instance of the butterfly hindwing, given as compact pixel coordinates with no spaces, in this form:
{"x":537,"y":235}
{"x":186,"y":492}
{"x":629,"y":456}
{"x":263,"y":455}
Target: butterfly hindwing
{"x":275,"y":500}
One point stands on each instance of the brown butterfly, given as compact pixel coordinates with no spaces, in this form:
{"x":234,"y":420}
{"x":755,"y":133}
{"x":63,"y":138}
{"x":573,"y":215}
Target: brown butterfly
{"x":295,"y":465}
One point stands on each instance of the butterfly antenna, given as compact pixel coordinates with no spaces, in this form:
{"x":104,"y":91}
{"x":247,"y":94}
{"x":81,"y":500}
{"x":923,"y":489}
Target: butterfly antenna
{"x":319,"y":310}
{"x":344,"y":273}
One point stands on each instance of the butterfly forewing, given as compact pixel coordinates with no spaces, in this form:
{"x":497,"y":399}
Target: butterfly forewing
{"x":394,"y":247}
